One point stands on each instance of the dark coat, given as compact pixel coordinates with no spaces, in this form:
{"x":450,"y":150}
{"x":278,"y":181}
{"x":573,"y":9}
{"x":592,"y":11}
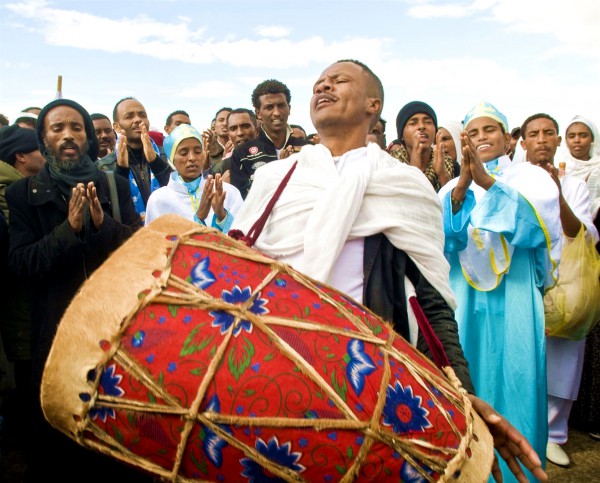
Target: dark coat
{"x":252,"y":154}
{"x":384,"y":268}
{"x":160,"y":168}
{"x":44,"y":248}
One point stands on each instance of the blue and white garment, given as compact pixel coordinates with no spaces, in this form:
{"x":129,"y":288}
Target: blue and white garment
{"x":503,"y":246}
{"x":183,"y":198}
{"x":136,"y":196}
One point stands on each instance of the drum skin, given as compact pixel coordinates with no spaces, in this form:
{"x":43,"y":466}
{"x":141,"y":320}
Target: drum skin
{"x":195,"y":358}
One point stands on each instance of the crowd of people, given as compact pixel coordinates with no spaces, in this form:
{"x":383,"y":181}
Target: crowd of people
{"x":468,"y":216}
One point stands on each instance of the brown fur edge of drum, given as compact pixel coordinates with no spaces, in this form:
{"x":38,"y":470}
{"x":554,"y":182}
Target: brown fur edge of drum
{"x":114,"y":290}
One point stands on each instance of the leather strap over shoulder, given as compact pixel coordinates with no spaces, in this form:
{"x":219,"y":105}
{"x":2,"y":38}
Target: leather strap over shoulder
{"x":257,"y":228}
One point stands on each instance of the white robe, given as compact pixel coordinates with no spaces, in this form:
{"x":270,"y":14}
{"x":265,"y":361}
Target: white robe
{"x":564,"y":358}
{"x":174,"y":199}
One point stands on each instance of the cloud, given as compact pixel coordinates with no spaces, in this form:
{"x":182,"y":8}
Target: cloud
{"x":466,"y":80}
{"x":211,"y":89}
{"x":15,"y":66}
{"x":573,"y":24}
{"x":272,"y":31}
{"x":178,"y":41}
{"x":425,"y":9}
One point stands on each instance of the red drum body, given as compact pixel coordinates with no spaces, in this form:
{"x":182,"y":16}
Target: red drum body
{"x":195,"y":358}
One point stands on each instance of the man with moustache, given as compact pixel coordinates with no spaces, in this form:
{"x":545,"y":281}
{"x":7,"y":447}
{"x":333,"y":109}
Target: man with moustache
{"x":241,"y":124}
{"x":564,"y":357}
{"x":107,"y":138}
{"x":337,"y":220}
{"x":217,"y":139}
{"x":175,"y":119}
{"x":61,"y":229}
{"x":271,"y":101}
{"x":377,"y":133}
{"x":416,"y":124}
{"x":137,"y":158}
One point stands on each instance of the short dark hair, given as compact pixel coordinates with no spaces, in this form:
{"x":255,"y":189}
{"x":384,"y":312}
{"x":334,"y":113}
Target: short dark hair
{"x":174,"y":113}
{"x":221,"y":110}
{"x":383,"y":122}
{"x":298,"y":126}
{"x":539,"y":115}
{"x":4,"y":120}
{"x":375,"y":81}
{"x":96,"y":115}
{"x":242,"y":110}
{"x":270,"y":86}
{"x":115,"y":115}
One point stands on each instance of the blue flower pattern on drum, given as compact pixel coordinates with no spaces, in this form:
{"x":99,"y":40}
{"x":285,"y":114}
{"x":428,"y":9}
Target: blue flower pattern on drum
{"x":281,"y":455}
{"x":202,"y":277}
{"x":224,"y":320}
{"x":212,"y":444}
{"x":403,"y":411}
{"x":409,"y":474}
{"x":359,"y":365}
{"x":138,"y":339}
{"x":109,"y":386}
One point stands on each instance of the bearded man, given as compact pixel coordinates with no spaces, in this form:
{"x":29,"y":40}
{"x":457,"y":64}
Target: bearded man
{"x":62,"y":227}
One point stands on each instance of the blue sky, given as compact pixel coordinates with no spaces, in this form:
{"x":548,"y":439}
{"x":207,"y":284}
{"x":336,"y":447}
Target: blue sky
{"x":524,"y":56}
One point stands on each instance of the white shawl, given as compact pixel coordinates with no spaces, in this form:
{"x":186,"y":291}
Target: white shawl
{"x":588,"y":171}
{"x":320,"y":209}
{"x":455,"y":128}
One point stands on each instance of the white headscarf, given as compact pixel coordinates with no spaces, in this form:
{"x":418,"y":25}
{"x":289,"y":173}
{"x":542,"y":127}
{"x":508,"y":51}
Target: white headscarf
{"x":455,"y":128}
{"x":589,"y":170}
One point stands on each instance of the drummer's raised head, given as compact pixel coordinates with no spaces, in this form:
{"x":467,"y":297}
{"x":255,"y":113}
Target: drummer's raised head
{"x":346,"y":103}
{"x":66,"y":134}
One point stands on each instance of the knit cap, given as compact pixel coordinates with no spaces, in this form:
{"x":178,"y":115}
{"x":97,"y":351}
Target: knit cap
{"x":409,"y":110}
{"x":15,"y":139}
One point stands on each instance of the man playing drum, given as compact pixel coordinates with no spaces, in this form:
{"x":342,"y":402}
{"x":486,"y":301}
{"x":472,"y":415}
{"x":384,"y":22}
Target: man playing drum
{"x":353,"y":217}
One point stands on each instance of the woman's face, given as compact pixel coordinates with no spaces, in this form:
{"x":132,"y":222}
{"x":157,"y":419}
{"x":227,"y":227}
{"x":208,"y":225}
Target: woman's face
{"x":447,"y":142}
{"x":188,"y":159}
{"x":579,"y":139}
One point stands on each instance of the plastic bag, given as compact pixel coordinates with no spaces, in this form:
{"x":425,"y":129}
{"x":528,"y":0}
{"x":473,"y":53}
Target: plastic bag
{"x":572,"y":307}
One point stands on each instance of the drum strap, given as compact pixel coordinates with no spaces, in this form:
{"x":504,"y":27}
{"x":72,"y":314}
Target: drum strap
{"x":257,"y":228}
{"x":435,"y":346}
{"x":438,"y":353}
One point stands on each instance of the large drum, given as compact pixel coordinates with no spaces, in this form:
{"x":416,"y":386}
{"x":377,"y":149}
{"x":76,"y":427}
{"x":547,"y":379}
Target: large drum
{"x":195,"y":358}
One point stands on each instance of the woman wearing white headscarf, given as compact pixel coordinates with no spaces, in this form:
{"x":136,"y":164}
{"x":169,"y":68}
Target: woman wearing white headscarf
{"x":450,"y":137}
{"x":586,"y":166}
{"x":210,"y":202}
{"x":583,"y":141}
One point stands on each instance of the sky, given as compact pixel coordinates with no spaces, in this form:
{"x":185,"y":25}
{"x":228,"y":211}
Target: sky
{"x":523,"y":56}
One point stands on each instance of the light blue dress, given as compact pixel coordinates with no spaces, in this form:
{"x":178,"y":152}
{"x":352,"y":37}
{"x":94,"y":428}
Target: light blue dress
{"x":501,"y":327}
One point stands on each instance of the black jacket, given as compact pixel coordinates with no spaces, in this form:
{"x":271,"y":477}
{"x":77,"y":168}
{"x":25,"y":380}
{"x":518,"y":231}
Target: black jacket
{"x":44,"y":248}
{"x":251,"y":155}
{"x":160,"y":168}
{"x":384,"y":268}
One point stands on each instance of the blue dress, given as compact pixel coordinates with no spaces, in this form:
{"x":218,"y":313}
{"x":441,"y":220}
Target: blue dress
{"x":498,"y":246}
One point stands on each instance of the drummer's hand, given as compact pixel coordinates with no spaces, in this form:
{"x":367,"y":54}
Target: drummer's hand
{"x":512,"y":445}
